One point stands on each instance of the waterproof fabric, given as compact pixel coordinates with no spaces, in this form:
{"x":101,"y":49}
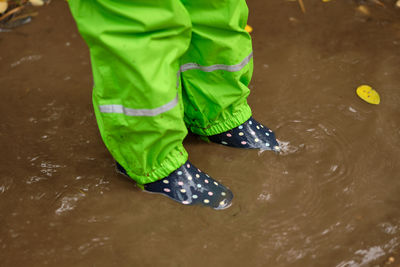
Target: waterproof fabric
{"x":190,"y":186}
{"x":160,"y":67}
{"x":250,"y":134}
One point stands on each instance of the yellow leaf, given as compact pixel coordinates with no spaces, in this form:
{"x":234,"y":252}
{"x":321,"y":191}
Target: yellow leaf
{"x":366,"y":93}
{"x":36,"y":2}
{"x":363,"y":10}
{"x":248,"y":28}
{"x":3,"y":7}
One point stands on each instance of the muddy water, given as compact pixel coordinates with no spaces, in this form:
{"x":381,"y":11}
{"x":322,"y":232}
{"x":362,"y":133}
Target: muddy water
{"x":331,"y":198}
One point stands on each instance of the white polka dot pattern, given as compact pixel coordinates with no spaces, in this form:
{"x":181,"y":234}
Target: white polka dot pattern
{"x":250,"y":134}
{"x":181,"y":186}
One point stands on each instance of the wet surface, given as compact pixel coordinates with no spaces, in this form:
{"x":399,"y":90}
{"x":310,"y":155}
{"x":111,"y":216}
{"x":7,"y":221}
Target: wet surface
{"x":331,"y":198}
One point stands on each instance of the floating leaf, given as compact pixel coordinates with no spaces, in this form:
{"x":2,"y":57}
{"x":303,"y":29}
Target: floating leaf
{"x":36,"y":2}
{"x":3,"y":6}
{"x":248,"y":28}
{"x":363,"y":10}
{"x":366,"y":93}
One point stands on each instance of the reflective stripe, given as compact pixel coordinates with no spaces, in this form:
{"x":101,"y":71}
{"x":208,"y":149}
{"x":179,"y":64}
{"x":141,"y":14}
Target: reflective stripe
{"x":231,"y":68}
{"x":139,"y":112}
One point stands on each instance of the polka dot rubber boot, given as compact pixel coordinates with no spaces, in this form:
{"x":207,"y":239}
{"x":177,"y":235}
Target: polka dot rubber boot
{"x":251,"y":134}
{"x":189,"y":186}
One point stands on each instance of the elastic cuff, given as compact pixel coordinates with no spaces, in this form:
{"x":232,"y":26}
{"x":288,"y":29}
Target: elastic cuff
{"x":227,"y":122}
{"x":176,"y":158}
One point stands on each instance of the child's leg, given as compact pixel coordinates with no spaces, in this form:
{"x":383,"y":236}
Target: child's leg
{"x":217,"y":68}
{"x":216,"y":71}
{"x":135,"y":47}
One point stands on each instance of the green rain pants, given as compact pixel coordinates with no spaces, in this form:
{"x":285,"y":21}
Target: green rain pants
{"x":161,"y":67}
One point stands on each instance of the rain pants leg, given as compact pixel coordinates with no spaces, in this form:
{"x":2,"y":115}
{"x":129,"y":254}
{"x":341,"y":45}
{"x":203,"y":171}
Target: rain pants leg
{"x":140,"y":52}
{"x":217,"y":67}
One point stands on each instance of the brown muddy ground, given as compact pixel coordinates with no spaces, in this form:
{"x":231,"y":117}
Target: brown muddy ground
{"x":332,"y":198}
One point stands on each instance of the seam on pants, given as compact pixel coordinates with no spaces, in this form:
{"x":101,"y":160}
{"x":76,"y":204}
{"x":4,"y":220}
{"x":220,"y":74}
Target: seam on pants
{"x":139,"y":112}
{"x":230,"y":68}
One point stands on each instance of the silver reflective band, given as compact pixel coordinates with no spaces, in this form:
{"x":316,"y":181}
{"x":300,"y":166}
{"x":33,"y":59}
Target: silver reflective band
{"x":139,"y":112}
{"x":231,"y":68}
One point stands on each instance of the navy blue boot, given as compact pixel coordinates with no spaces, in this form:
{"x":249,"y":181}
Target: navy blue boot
{"x":188,"y":185}
{"x":251,"y":134}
